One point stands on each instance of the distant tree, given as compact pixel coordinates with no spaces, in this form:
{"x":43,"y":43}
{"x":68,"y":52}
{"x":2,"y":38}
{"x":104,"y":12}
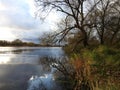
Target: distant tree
{"x":4,"y":43}
{"x":30,"y":44}
{"x":17,"y":42}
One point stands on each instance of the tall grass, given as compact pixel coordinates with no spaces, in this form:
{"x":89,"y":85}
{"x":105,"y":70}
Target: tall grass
{"x":95,"y":69}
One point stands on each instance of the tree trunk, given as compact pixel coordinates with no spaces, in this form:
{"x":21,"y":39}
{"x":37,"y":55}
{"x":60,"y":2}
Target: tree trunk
{"x":85,"y":40}
{"x":101,"y":40}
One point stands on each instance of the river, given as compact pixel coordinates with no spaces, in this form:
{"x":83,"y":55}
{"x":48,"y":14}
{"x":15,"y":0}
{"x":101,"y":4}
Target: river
{"x":21,"y":69}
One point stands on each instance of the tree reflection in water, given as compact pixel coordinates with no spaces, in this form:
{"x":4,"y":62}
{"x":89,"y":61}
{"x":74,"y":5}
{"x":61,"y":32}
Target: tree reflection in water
{"x":47,"y":81}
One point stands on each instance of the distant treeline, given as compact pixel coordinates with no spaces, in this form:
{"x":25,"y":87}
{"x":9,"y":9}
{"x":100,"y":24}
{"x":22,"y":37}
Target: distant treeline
{"x":16,"y":42}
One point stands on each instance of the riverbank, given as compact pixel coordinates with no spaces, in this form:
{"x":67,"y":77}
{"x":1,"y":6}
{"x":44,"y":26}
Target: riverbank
{"x":91,"y":69}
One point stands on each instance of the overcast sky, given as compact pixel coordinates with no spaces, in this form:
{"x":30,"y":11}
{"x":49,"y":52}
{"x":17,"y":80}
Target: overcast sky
{"x":17,"y":20}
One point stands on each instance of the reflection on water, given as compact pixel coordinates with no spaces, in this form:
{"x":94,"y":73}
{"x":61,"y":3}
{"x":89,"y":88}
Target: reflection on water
{"x":18,"y":59}
{"x":15,"y":77}
{"x":4,"y":59}
{"x":45,"y":82}
{"x":27,"y":55}
{"x":21,"y":65}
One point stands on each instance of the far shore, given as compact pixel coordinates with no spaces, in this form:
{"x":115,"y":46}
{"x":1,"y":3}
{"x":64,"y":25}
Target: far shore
{"x":32,"y":46}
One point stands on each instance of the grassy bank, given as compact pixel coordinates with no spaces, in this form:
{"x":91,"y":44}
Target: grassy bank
{"x":90,"y":69}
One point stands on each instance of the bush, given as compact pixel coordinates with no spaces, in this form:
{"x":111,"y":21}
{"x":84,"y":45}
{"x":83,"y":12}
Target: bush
{"x":96,"y":68}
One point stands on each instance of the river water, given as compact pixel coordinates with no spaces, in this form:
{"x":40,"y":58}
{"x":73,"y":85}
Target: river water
{"x":21,"y":69}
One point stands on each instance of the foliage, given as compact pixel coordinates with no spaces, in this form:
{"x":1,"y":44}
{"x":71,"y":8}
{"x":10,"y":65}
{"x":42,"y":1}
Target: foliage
{"x":90,"y":69}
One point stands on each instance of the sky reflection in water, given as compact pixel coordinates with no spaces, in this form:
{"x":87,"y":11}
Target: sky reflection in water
{"x":19,"y":65}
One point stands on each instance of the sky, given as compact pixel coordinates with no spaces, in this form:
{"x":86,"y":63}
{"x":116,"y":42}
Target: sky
{"x":18,"y":21}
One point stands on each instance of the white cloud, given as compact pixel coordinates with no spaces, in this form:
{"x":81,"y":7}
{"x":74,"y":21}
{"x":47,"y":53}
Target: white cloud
{"x":6,"y":34}
{"x":18,"y":20}
{"x":32,"y":7}
{"x":2,"y":7}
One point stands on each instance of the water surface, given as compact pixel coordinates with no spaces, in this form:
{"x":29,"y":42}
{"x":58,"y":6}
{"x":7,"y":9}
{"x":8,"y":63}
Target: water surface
{"x":20,"y":67}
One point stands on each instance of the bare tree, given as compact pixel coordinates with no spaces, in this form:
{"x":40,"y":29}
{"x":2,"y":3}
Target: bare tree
{"x":101,"y":14}
{"x":106,"y":20}
{"x":74,"y":9}
{"x":114,"y":23}
{"x":86,"y":19}
{"x":47,"y":39}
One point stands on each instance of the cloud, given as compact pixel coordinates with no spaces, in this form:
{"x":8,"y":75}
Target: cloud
{"x":15,"y":13}
{"x":17,"y":20}
{"x":18,"y":17}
